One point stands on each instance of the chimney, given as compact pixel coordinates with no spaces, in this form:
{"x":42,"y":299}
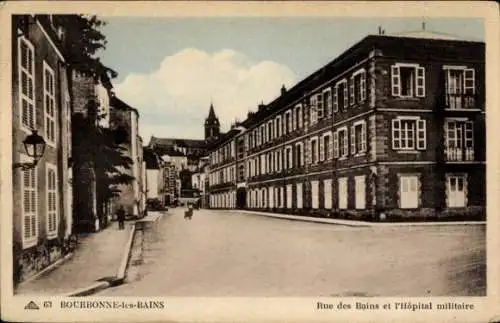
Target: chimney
{"x":261,"y":106}
{"x":283,"y":89}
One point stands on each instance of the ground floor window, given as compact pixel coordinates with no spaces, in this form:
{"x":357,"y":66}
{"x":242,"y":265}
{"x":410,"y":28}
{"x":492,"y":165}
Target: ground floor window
{"x":289,"y":196}
{"x":271,"y":197}
{"x":30,"y":206}
{"x":456,"y":190}
{"x":360,"y":191}
{"x":315,"y":194}
{"x":282,"y":197}
{"x":342,"y":193}
{"x":299,"y":195}
{"x":408,"y":191}
{"x":327,"y":183}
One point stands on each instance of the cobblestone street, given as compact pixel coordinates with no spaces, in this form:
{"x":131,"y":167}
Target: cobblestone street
{"x":230,"y":254}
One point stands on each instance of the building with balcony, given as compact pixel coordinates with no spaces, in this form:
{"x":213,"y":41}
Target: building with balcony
{"x":395,"y":125}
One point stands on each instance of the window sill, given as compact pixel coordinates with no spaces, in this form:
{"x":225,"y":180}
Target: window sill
{"x":360,"y":154}
{"x":342,"y":158}
{"x":29,"y":243}
{"x":411,"y":98}
{"x":409,"y":151}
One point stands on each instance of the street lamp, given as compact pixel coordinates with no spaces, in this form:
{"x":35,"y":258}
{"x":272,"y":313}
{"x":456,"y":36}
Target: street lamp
{"x":34,"y":145}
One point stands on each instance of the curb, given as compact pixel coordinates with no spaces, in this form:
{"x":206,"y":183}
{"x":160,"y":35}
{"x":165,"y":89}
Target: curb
{"x":354,"y":223}
{"x":120,"y":276}
{"x":85,"y":291}
{"x":118,"y":280}
{"x":122,"y":270}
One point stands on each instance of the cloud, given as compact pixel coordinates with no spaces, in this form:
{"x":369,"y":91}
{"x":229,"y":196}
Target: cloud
{"x":173,"y":101}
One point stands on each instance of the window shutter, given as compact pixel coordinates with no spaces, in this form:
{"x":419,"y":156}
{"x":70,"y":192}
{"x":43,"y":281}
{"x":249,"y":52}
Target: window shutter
{"x":330,"y":146}
{"x":308,"y":151}
{"x":336,"y":144}
{"x":396,"y":134}
{"x":353,"y":140}
{"x":421,"y":133}
{"x":322,"y":149}
{"x":346,"y":95}
{"x":421,"y":82}
{"x":363,"y":136}
{"x":335,"y":99}
{"x":363,"y":86}
{"x":321,"y":105}
{"x":469,"y":81}
{"x":395,"y":81}
{"x":351,"y":90}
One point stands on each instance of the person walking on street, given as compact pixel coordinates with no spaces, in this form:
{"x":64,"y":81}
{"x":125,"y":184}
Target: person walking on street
{"x":120,"y":214}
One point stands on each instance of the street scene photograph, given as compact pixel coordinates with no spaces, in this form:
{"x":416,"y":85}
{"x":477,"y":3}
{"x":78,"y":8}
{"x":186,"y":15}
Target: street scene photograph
{"x":248,"y":156}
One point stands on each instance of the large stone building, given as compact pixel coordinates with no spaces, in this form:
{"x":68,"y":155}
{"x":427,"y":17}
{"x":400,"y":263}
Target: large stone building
{"x":394,"y":126}
{"x":42,"y":193}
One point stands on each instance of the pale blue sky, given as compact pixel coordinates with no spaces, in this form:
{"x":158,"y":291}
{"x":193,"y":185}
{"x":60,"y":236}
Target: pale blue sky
{"x":138,"y":46}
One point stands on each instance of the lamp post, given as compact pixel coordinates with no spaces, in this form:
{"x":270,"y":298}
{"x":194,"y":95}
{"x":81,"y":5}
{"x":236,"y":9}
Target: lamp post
{"x":34,"y":145}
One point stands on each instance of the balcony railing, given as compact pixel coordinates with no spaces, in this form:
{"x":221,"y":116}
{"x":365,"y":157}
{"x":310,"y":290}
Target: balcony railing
{"x":459,"y":154}
{"x":460,"y":101}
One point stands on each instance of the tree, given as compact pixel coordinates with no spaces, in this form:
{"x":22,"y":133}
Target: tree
{"x":94,"y":146}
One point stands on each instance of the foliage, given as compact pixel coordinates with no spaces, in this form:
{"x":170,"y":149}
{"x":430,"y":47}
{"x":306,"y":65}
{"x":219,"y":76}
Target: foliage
{"x":83,"y":40}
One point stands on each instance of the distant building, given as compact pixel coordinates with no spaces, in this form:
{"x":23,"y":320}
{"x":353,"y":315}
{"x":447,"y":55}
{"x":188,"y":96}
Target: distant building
{"x":154,"y":176}
{"x":394,"y":125}
{"x":184,"y":156}
{"x":126,"y":119}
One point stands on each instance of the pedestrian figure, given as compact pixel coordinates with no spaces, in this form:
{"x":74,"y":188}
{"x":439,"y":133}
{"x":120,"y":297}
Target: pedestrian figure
{"x":120,"y":214}
{"x":188,"y":214}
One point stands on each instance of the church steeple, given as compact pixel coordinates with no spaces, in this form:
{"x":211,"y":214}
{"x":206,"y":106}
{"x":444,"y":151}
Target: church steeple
{"x":212,"y":125}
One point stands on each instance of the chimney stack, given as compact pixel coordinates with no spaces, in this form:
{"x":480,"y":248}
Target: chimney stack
{"x":283,"y":89}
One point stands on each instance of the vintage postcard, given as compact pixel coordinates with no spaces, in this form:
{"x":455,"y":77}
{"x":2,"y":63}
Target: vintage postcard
{"x":249,"y":161}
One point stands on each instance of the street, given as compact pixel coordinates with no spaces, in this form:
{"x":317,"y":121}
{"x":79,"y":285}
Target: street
{"x":228,"y":254}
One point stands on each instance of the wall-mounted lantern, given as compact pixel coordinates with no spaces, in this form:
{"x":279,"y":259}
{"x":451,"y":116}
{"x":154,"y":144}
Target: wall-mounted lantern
{"x":34,"y":145}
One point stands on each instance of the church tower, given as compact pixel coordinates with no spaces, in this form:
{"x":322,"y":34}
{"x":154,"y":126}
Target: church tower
{"x":212,"y":125}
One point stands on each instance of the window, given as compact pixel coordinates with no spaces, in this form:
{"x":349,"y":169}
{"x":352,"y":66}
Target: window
{"x":341,"y":97}
{"x":460,"y":87}
{"x":408,"y":80}
{"x":271,"y":197}
{"x":459,"y":140}
{"x":326,"y":147}
{"x":456,"y":187}
{"x":408,"y":191}
{"x":314,"y":150}
{"x":30,"y":205}
{"x":299,"y":195}
{"x":278,"y":127}
{"x":270,"y":131}
{"x":278,"y":160}
{"x":289,"y":196}
{"x":298,"y":113}
{"x":26,"y":72}
{"x":289,"y":157}
{"x":315,"y":194}
{"x":319,"y":106}
{"x":340,"y":143}
{"x":288,"y":122}
{"x":327,"y":101}
{"x":299,"y":154}
{"x":408,"y":133}
{"x":342,"y":193}
{"x":358,"y":87}
{"x":327,"y":189}
{"x":313,"y":106}
{"x":270,"y":163}
{"x":358,"y":137}
{"x":262,"y":164}
{"x":360,"y":191}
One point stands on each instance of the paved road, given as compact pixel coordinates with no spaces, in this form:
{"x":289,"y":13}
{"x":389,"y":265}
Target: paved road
{"x":227,"y":254}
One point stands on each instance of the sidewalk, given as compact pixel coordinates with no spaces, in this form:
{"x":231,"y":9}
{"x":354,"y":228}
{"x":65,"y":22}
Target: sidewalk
{"x":353,"y":223}
{"x":98,"y":255}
